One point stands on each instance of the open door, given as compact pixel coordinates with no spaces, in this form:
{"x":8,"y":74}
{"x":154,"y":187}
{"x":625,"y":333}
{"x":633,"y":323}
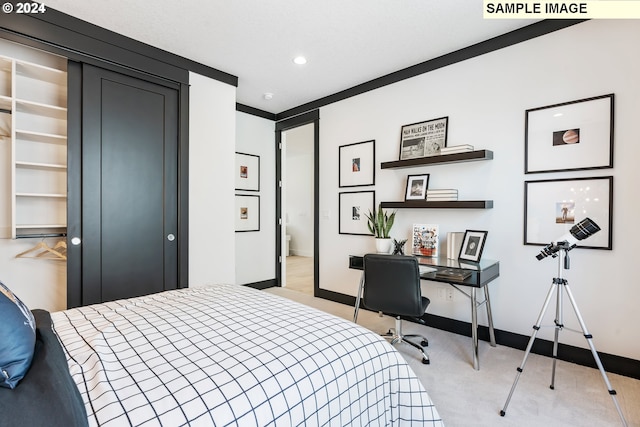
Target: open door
{"x":293,"y":136}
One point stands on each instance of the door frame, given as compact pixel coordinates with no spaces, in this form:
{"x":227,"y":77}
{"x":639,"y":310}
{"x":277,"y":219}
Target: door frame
{"x":312,"y":117}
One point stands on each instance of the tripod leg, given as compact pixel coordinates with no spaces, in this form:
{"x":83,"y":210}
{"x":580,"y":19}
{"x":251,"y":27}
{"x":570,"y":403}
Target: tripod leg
{"x":589,"y":337}
{"x":536,"y":328}
{"x":558,"y":326}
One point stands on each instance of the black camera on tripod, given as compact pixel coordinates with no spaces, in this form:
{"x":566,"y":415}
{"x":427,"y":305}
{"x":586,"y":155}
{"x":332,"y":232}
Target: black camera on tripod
{"x":580,"y":231}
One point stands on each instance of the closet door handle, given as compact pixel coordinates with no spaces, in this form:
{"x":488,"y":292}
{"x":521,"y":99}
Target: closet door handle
{"x":171,"y":237}
{"x":75,"y":241}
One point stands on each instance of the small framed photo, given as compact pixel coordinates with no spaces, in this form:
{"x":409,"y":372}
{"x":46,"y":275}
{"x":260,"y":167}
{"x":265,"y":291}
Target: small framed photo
{"x":425,"y":240}
{"x":553,"y":207}
{"x":472,"y":245}
{"x":247,"y":172}
{"x":352,"y":208}
{"x":417,"y":187}
{"x":357,"y":164}
{"x":247,"y":213}
{"x":423,"y":139}
{"x":574,"y":135}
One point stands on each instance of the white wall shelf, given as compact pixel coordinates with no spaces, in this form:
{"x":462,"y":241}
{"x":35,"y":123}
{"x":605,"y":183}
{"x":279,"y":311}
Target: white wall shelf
{"x":33,"y":113}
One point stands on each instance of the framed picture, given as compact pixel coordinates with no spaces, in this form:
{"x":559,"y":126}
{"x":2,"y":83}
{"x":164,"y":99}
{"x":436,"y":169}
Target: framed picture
{"x":552,"y":207}
{"x":472,"y":245}
{"x":575,"y":135}
{"x":417,"y":187}
{"x":425,"y":240}
{"x":352,"y":208}
{"x":247,"y":172}
{"x":357,"y":164}
{"x":247,"y":213}
{"x":423,"y":139}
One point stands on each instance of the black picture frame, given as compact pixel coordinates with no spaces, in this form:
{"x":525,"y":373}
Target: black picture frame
{"x":472,"y":245}
{"x":247,"y":172}
{"x":247,"y":213}
{"x":352,"y":209}
{"x":417,"y":186}
{"x":357,"y":164}
{"x":545,"y":220}
{"x":423,"y":139}
{"x":570,"y":136}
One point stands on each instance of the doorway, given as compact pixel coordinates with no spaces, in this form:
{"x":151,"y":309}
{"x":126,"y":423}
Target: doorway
{"x":297,"y":244}
{"x":298,"y":208}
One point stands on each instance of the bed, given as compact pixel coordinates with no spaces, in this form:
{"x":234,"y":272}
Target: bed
{"x":219,"y":355}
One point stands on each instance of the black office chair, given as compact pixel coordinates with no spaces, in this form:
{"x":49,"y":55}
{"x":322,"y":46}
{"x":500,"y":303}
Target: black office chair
{"x":392,"y":285}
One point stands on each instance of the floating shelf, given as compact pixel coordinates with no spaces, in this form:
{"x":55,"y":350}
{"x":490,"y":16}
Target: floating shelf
{"x":469,"y":156}
{"x":452,"y":204}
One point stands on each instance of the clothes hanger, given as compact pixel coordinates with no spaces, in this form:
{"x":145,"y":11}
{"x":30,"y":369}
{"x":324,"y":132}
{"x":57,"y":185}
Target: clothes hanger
{"x":48,"y":253}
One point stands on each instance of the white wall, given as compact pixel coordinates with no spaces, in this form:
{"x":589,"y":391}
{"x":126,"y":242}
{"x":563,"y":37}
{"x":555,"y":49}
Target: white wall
{"x":212,"y":132}
{"x":485,"y":99}
{"x":298,"y":185}
{"x":255,"y":251}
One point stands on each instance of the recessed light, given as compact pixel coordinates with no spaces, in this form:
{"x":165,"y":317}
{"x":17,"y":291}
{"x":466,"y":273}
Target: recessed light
{"x":268,"y":96}
{"x":300,"y":60}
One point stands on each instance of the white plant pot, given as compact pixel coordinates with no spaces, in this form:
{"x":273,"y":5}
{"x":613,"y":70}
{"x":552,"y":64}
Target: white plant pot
{"x":383,"y":246}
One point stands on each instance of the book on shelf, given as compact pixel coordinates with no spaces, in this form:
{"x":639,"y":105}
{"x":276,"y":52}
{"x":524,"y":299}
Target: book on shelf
{"x":441,"y":198}
{"x":453,"y":274}
{"x":447,"y":191}
{"x":456,"y":149}
{"x":442,"y":195}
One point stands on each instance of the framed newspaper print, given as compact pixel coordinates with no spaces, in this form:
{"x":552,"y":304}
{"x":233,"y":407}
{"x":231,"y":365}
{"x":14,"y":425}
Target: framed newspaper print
{"x":423,"y":139}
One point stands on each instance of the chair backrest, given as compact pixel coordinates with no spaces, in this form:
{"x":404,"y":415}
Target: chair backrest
{"x":392,"y":284}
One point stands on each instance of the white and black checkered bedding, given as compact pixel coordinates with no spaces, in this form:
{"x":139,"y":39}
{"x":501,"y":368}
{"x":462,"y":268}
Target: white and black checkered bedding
{"x":227,"y":355}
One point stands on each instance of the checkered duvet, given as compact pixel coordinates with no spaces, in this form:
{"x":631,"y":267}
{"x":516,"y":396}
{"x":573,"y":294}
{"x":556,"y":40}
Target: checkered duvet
{"x":228,"y":355}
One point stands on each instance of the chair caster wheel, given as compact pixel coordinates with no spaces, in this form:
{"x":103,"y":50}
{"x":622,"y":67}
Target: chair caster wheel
{"x":424,"y":343}
{"x":426,"y":361}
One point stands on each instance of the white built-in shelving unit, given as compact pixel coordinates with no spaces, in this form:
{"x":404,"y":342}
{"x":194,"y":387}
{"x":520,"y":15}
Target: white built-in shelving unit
{"x":33,"y":114}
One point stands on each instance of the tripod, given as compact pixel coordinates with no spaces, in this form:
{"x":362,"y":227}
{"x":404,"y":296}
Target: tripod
{"x":561,"y":284}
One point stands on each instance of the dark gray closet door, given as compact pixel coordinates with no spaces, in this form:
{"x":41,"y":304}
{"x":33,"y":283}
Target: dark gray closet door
{"x":129,"y":186}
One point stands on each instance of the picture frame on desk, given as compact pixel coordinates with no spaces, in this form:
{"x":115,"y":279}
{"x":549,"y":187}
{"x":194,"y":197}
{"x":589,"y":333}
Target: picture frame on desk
{"x":570,"y":136}
{"x":472,"y":245}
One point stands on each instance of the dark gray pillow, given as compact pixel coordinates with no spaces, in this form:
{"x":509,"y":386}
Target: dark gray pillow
{"x":17,"y":338}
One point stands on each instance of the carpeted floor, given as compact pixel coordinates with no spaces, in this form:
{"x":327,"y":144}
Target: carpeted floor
{"x":466,"y":397}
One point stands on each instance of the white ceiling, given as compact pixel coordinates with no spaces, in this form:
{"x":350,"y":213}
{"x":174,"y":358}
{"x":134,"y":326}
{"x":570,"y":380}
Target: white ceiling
{"x":346,"y":42}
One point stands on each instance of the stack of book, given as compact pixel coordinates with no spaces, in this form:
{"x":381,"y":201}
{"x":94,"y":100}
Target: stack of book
{"x":441,"y":195}
{"x":456,"y":275}
{"x":464,"y":148}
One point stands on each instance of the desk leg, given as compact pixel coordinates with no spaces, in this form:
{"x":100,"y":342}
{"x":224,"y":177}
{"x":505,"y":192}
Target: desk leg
{"x":474,"y":328}
{"x":492,"y":335}
{"x":358,"y":297}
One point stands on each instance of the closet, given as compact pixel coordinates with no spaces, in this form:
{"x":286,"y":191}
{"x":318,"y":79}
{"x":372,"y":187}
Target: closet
{"x":90,"y":155}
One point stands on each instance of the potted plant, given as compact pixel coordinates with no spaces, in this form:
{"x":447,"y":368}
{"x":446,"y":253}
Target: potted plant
{"x":380,"y":224}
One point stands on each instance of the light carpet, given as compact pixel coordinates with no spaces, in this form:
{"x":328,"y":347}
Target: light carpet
{"x":466,"y":397}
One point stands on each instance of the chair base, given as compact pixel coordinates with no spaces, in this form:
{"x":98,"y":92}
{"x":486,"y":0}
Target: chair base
{"x":395,"y":336}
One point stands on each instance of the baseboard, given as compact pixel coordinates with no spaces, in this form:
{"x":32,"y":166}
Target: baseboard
{"x":568,"y":353}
